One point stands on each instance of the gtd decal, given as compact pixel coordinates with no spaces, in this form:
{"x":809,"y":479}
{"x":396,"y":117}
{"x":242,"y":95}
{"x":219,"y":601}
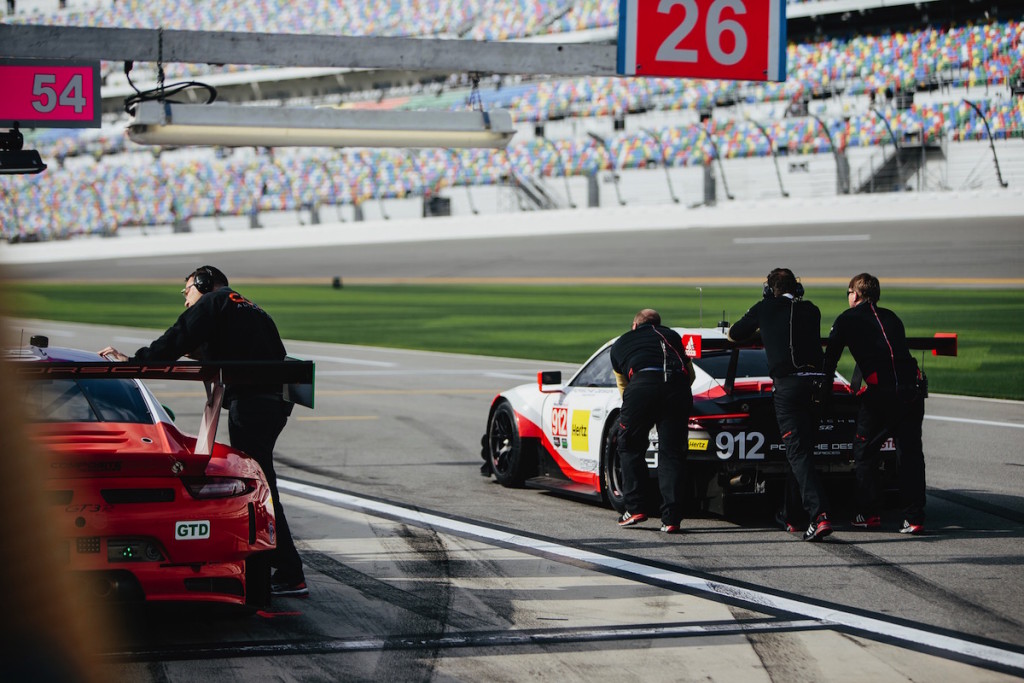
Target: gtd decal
{"x":192,"y":531}
{"x":745,"y":445}
{"x":889,"y":445}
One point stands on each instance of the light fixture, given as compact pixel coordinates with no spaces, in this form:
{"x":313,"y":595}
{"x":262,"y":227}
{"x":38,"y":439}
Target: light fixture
{"x":167,"y":123}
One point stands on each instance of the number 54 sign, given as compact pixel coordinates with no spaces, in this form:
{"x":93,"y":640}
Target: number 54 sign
{"x":49,"y":93}
{"x":740,"y":40}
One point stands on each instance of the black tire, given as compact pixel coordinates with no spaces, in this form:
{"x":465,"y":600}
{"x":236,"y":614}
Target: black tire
{"x":512,"y":458}
{"x":257,"y":580}
{"x":611,"y":471}
{"x":702,"y":489}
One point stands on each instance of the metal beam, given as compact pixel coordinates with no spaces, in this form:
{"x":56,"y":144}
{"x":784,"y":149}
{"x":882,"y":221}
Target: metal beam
{"x":293,"y":50}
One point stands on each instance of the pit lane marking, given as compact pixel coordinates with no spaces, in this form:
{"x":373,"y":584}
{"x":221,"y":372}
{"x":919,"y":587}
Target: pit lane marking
{"x":402,"y":392}
{"x":872,"y":627}
{"x":986,"y":423}
{"x":349,"y":361}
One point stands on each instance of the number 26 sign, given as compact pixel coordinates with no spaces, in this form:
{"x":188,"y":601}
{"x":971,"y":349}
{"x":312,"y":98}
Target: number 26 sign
{"x":740,"y":40}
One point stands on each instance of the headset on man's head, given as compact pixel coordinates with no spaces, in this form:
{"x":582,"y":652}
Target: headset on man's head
{"x":205,"y":278}
{"x":768,"y":293}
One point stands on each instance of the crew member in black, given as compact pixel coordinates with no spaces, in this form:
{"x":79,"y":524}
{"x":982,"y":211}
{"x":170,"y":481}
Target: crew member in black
{"x":891,"y":405}
{"x":220,"y":324}
{"x":654,"y":377}
{"x":790,"y":331}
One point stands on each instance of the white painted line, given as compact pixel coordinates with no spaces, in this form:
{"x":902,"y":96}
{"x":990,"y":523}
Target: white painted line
{"x":51,"y":332}
{"x":349,"y":361}
{"x":134,"y":340}
{"x":424,"y":372}
{"x":987,"y":423}
{"x":508,"y":375}
{"x":827,"y":615}
{"x":796,"y":239}
{"x":983,"y":399}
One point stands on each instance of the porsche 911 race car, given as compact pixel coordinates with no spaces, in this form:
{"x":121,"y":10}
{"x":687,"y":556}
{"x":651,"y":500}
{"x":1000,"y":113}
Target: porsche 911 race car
{"x":563,"y":436}
{"x":147,"y":512}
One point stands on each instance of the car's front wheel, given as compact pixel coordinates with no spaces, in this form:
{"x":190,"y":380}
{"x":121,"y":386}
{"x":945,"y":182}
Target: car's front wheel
{"x":611,"y":469}
{"x":510,"y":457}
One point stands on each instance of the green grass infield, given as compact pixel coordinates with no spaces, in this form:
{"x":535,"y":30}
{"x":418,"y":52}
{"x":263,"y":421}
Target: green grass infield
{"x":555,"y":323}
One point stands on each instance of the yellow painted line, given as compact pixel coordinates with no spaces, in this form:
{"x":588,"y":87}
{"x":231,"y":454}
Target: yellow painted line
{"x":339,"y":418}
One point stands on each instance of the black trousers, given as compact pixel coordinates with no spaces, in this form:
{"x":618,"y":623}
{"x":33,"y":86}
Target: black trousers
{"x":884,"y":413}
{"x":798,"y":425}
{"x":650,"y":401}
{"x":254,"y":423}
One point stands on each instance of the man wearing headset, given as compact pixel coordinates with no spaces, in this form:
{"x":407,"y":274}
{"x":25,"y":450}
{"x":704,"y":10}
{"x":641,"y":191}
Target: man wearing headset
{"x":892,"y":403}
{"x":654,"y":376}
{"x":220,"y":324}
{"x":790,"y":331}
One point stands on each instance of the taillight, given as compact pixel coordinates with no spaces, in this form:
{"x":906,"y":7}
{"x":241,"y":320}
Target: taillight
{"x":216,"y":487}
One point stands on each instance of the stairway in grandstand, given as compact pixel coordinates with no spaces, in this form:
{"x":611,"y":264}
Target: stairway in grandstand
{"x":900,"y":166}
{"x":533,"y":194}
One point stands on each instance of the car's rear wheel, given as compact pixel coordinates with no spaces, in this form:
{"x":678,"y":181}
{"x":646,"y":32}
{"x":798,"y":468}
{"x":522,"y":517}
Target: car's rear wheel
{"x":257,"y":580}
{"x":510,"y":457}
{"x":611,"y":469}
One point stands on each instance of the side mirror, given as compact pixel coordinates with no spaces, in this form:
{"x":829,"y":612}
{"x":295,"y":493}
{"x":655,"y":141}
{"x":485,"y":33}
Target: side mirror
{"x":169,"y":412}
{"x":548,"y":378}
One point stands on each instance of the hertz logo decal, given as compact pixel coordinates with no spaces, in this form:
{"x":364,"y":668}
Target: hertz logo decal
{"x":580,"y":430}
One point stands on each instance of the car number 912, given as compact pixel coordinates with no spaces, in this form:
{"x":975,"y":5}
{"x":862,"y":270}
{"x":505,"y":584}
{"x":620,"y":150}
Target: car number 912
{"x":744,"y":445}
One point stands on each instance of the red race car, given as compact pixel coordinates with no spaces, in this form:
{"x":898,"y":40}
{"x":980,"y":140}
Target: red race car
{"x":147,"y":512}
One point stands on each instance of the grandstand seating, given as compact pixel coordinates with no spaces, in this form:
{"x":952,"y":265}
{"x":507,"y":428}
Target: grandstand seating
{"x":99,"y":182}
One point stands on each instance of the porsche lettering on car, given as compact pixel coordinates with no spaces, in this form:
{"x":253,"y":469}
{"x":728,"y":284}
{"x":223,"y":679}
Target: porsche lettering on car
{"x":145,"y":511}
{"x":563,"y":436}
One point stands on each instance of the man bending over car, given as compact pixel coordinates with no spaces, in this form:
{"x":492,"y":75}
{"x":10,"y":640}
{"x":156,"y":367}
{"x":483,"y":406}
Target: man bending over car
{"x":892,"y":403}
{"x":654,"y":377}
{"x":219,"y":324}
{"x":790,"y":331}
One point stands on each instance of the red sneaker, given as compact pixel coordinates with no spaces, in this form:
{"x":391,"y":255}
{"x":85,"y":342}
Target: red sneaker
{"x":629,"y":519}
{"x":913,"y":529}
{"x":819,"y":528}
{"x":862,"y":522}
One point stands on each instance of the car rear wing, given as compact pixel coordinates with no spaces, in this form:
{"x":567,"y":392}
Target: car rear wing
{"x":295,"y":376}
{"x":941,"y":344}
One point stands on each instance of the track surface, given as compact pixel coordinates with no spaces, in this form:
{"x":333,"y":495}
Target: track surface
{"x":459,"y":596}
{"x":951,"y":252}
{"x":422,"y":570}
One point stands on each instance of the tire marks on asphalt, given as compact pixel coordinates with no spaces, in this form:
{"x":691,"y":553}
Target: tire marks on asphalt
{"x":955,"y":646}
{"x":558,"y":639}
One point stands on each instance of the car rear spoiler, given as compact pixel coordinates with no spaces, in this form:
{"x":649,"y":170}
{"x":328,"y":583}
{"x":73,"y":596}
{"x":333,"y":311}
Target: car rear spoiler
{"x":296,"y":377}
{"x":941,"y":344}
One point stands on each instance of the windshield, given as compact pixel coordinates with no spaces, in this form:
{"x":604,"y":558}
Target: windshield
{"x":96,"y":400}
{"x":596,"y":373}
{"x":752,"y":363}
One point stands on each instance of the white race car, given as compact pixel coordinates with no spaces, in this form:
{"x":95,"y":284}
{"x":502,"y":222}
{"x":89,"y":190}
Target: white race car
{"x":563,"y":436}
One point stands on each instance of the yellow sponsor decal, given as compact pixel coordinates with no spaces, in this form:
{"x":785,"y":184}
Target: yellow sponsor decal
{"x":698,"y":444}
{"x":580,"y":430}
